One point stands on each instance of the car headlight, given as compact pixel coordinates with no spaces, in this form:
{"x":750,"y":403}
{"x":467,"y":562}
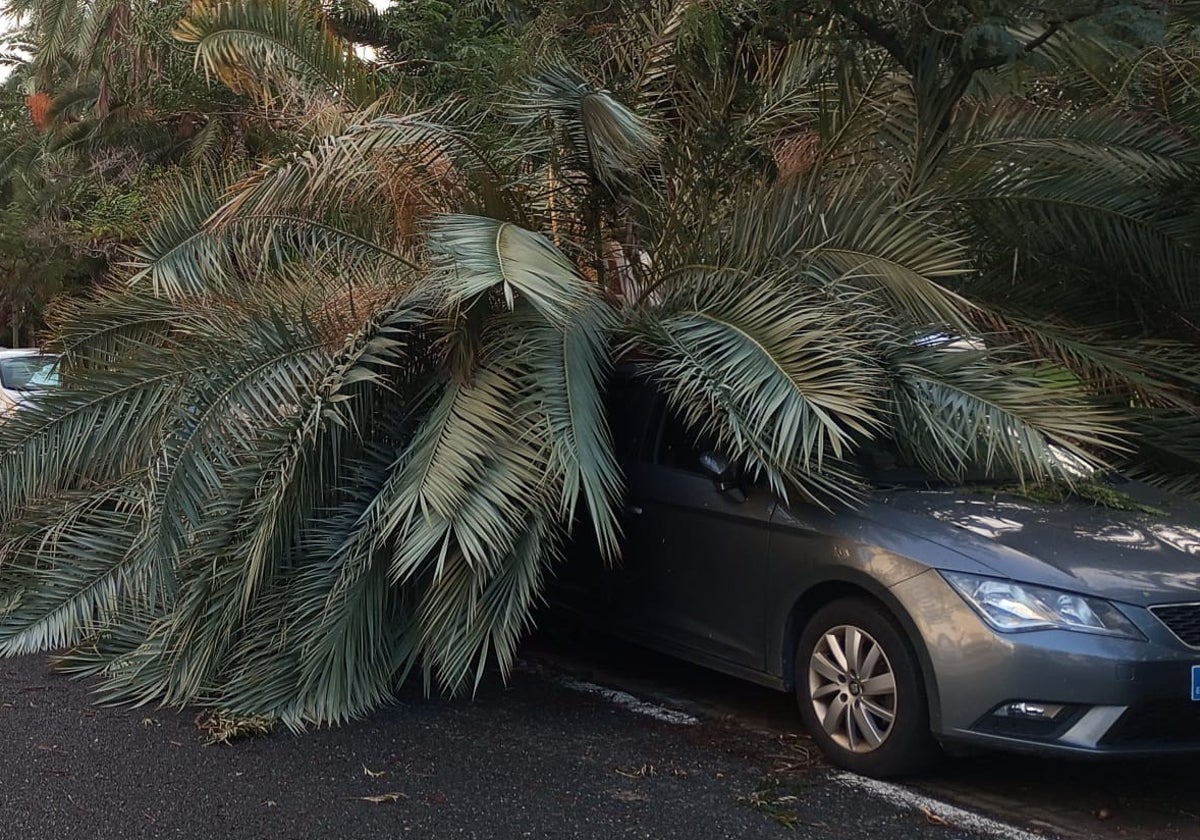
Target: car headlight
{"x":1012,"y":607}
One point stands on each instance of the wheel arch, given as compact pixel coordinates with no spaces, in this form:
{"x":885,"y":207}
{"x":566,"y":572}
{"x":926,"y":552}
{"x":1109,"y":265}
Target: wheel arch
{"x":850,"y":584}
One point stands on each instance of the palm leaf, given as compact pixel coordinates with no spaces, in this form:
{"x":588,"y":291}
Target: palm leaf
{"x":67,"y":568}
{"x":1168,"y":448}
{"x":111,"y":325}
{"x":260,"y":46}
{"x":604,"y":137}
{"x":568,"y":369}
{"x":379,"y":178}
{"x":851,"y":235}
{"x":1120,"y":145}
{"x":99,"y":429}
{"x":178,"y":256}
{"x":463,"y":618}
{"x":1110,"y":361}
{"x":777,"y":378}
{"x":474,"y":255}
{"x":234,"y":400}
{"x":959,"y":410}
{"x":1083,"y":189}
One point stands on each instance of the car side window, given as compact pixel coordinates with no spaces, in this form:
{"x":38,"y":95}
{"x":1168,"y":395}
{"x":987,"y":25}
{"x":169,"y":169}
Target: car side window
{"x":677,"y":447}
{"x":625,"y":402}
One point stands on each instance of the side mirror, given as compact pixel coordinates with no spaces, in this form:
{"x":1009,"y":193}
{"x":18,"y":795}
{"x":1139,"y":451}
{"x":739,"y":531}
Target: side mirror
{"x":724,"y":474}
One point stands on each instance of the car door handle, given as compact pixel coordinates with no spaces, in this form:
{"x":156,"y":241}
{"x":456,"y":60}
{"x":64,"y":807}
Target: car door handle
{"x":636,"y":510}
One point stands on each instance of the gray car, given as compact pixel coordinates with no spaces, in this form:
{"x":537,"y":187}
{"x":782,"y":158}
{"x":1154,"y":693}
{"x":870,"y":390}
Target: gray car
{"x":928,"y":616}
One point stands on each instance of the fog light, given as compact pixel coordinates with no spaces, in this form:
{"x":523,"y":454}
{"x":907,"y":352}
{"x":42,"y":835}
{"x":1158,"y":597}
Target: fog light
{"x":1028,"y":710}
{"x":1029,"y":719}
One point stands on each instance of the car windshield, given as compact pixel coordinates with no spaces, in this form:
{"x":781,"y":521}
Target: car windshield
{"x":884,"y":465}
{"x":29,"y":373}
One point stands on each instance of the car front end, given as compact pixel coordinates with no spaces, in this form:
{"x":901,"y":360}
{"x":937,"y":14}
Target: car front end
{"x":1055,"y":687}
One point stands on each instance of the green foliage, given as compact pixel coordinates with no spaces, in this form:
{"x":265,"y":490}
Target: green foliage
{"x":104,"y":215}
{"x":437,"y":48}
{"x":36,"y":265}
{"x":1055,"y":493}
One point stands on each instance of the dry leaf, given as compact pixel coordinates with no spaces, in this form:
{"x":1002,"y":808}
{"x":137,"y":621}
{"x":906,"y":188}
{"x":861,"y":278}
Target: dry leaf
{"x":382,"y":798}
{"x":933,"y":818}
{"x":637,"y":773}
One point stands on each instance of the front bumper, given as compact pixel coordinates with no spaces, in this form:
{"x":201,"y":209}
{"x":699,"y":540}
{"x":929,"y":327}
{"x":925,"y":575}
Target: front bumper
{"x":1117,"y":696}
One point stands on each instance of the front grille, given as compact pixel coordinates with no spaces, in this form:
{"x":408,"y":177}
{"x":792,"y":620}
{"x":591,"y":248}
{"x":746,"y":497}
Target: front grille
{"x":1161,"y":723}
{"x":1181,"y":619}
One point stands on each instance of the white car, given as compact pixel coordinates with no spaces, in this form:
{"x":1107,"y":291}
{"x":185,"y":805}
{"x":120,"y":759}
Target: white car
{"x":23,"y":373}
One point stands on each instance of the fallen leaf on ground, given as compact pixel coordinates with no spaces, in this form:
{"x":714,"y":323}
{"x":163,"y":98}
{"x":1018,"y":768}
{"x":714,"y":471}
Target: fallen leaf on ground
{"x":933,"y":818}
{"x":382,"y":798}
{"x":225,"y":727}
{"x":638,"y":772}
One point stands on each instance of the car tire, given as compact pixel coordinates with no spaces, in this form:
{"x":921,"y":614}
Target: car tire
{"x":861,"y":693}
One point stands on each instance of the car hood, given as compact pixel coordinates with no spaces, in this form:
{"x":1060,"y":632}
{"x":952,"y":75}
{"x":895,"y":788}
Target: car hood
{"x":1135,"y":557}
{"x":30,"y":398}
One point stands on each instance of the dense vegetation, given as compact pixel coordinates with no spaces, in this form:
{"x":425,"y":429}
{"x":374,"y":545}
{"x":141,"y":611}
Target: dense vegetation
{"x":333,"y":394}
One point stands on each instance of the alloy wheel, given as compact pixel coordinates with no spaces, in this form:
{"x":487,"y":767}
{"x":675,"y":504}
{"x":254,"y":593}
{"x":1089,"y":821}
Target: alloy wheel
{"x":852,"y":688}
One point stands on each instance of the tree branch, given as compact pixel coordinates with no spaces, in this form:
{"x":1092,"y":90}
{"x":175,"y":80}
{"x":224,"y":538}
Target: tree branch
{"x":1044,"y":37}
{"x":1027,"y":49}
{"x":879,"y":32}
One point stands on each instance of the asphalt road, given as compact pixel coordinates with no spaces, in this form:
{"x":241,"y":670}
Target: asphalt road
{"x":1074,"y":800}
{"x":538,"y":758}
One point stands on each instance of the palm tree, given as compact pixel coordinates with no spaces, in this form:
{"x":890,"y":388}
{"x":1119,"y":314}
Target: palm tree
{"x":343,"y":412}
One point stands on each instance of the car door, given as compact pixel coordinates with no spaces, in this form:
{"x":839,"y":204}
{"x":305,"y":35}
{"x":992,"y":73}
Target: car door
{"x":585,"y":585}
{"x":694,"y":569}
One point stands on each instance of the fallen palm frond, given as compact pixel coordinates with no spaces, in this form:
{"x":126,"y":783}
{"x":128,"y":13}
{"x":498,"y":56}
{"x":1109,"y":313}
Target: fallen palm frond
{"x":225,"y":727}
{"x":343,"y":410}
